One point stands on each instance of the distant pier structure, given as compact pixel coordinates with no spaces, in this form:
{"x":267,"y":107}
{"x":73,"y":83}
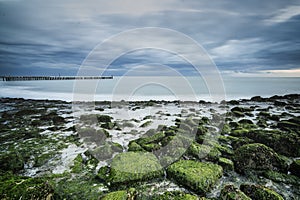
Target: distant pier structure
{"x":50,"y":78}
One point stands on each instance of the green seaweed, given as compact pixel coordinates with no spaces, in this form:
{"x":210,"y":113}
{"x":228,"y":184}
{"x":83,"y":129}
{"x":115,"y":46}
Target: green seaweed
{"x":197,"y":176}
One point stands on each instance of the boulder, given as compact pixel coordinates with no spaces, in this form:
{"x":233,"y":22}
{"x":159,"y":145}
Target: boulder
{"x":197,"y":176}
{"x":132,"y":167}
{"x":229,"y":192}
{"x":256,"y":157}
{"x":257,"y":192}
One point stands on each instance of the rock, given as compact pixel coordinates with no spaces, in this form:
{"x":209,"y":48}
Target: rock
{"x":133,"y":146}
{"x":18,"y":187}
{"x":204,"y":152}
{"x":175,"y":195}
{"x":197,"y":176}
{"x":104,"y":118}
{"x":11,"y":162}
{"x":241,"y":109}
{"x":257,"y":192}
{"x":256,"y":157}
{"x":288,"y":125}
{"x":287,"y":144}
{"x":132,"y":167}
{"x":229,"y":192}
{"x":279,"y":103}
{"x":295,"y":167}
{"x":117,"y":195}
{"x":226,"y":164}
{"x":106,"y":151}
{"x":258,"y":99}
{"x":91,"y":135}
{"x":282,"y":178}
{"x":147,"y":123}
{"x":245,"y":121}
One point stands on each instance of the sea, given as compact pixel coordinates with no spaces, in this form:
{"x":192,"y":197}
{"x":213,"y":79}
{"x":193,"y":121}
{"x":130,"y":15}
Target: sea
{"x":136,"y":88}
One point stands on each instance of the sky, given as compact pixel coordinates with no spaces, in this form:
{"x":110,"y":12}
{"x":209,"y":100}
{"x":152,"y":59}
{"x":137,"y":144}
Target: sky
{"x":242,"y":38}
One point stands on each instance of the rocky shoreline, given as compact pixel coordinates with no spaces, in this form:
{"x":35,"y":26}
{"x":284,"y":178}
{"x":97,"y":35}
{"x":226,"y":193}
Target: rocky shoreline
{"x":239,"y":149}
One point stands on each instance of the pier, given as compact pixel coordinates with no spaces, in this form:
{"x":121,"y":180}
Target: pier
{"x":50,"y":78}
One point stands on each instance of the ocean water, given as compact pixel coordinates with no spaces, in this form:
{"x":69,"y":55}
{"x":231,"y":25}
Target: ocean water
{"x":151,"y":88}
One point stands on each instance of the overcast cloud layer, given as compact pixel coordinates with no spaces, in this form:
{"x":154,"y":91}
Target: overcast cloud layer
{"x":54,"y":37}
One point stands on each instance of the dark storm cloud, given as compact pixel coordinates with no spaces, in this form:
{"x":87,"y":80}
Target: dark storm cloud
{"x":55,"y":37}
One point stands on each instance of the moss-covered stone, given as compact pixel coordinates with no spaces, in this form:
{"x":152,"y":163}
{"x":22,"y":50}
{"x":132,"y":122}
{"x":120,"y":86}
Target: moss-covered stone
{"x":18,"y":187}
{"x":229,"y":192}
{"x":226,"y":164}
{"x":257,"y":192}
{"x":117,"y":195}
{"x":132,"y":167}
{"x":288,"y":125}
{"x":281,"y":177}
{"x":13,"y":161}
{"x":133,"y":146}
{"x":176,"y":195}
{"x":147,"y":123}
{"x":197,"y":176}
{"x":284,"y":143}
{"x":204,"y":152}
{"x":256,"y":157}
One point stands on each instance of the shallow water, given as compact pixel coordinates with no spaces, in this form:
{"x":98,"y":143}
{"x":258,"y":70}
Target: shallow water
{"x":147,"y":88}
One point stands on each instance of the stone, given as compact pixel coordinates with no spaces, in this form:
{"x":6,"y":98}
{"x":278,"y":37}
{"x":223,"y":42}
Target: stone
{"x":257,"y":192}
{"x":197,"y":176}
{"x":256,"y":157}
{"x":230,"y":192}
{"x":132,"y":167}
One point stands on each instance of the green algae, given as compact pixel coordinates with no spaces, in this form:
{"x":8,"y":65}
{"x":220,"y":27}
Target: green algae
{"x":204,"y":152}
{"x":117,"y":195}
{"x":147,"y":123}
{"x":132,"y":167}
{"x":197,"y":176}
{"x":176,"y":195}
{"x":19,"y":187}
{"x":226,"y":164}
{"x":257,"y":192}
{"x":230,"y":192}
{"x":256,"y":157}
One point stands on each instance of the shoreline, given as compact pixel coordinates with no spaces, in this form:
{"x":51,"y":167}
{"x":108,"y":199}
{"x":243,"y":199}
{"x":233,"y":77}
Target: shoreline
{"x":252,"y":98}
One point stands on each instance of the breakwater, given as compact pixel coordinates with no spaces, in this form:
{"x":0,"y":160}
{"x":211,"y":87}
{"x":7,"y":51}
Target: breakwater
{"x":39,"y":78}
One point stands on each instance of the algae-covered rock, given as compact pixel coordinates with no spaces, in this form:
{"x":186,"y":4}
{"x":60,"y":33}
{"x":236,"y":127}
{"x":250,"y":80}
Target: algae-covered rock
{"x":204,"y":152}
{"x":287,"y":144}
{"x":289,"y":125}
{"x":117,"y":195}
{"x":18,"y":187}
{"x":229,"y":192}
{"x":147,"y":123}
{"x":11,"y":162}
{"x":106,"y":150}
{"x":281,"y":177}
{"x":295,"y":167}
{"x":226,"y":164}
{"x":131,"y":167}
{"x":133,"y":146}
{"x":175,"y":195}
{"x":256,"y":157}
{"x":197,"y":176}
{"x":257,"y":192}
